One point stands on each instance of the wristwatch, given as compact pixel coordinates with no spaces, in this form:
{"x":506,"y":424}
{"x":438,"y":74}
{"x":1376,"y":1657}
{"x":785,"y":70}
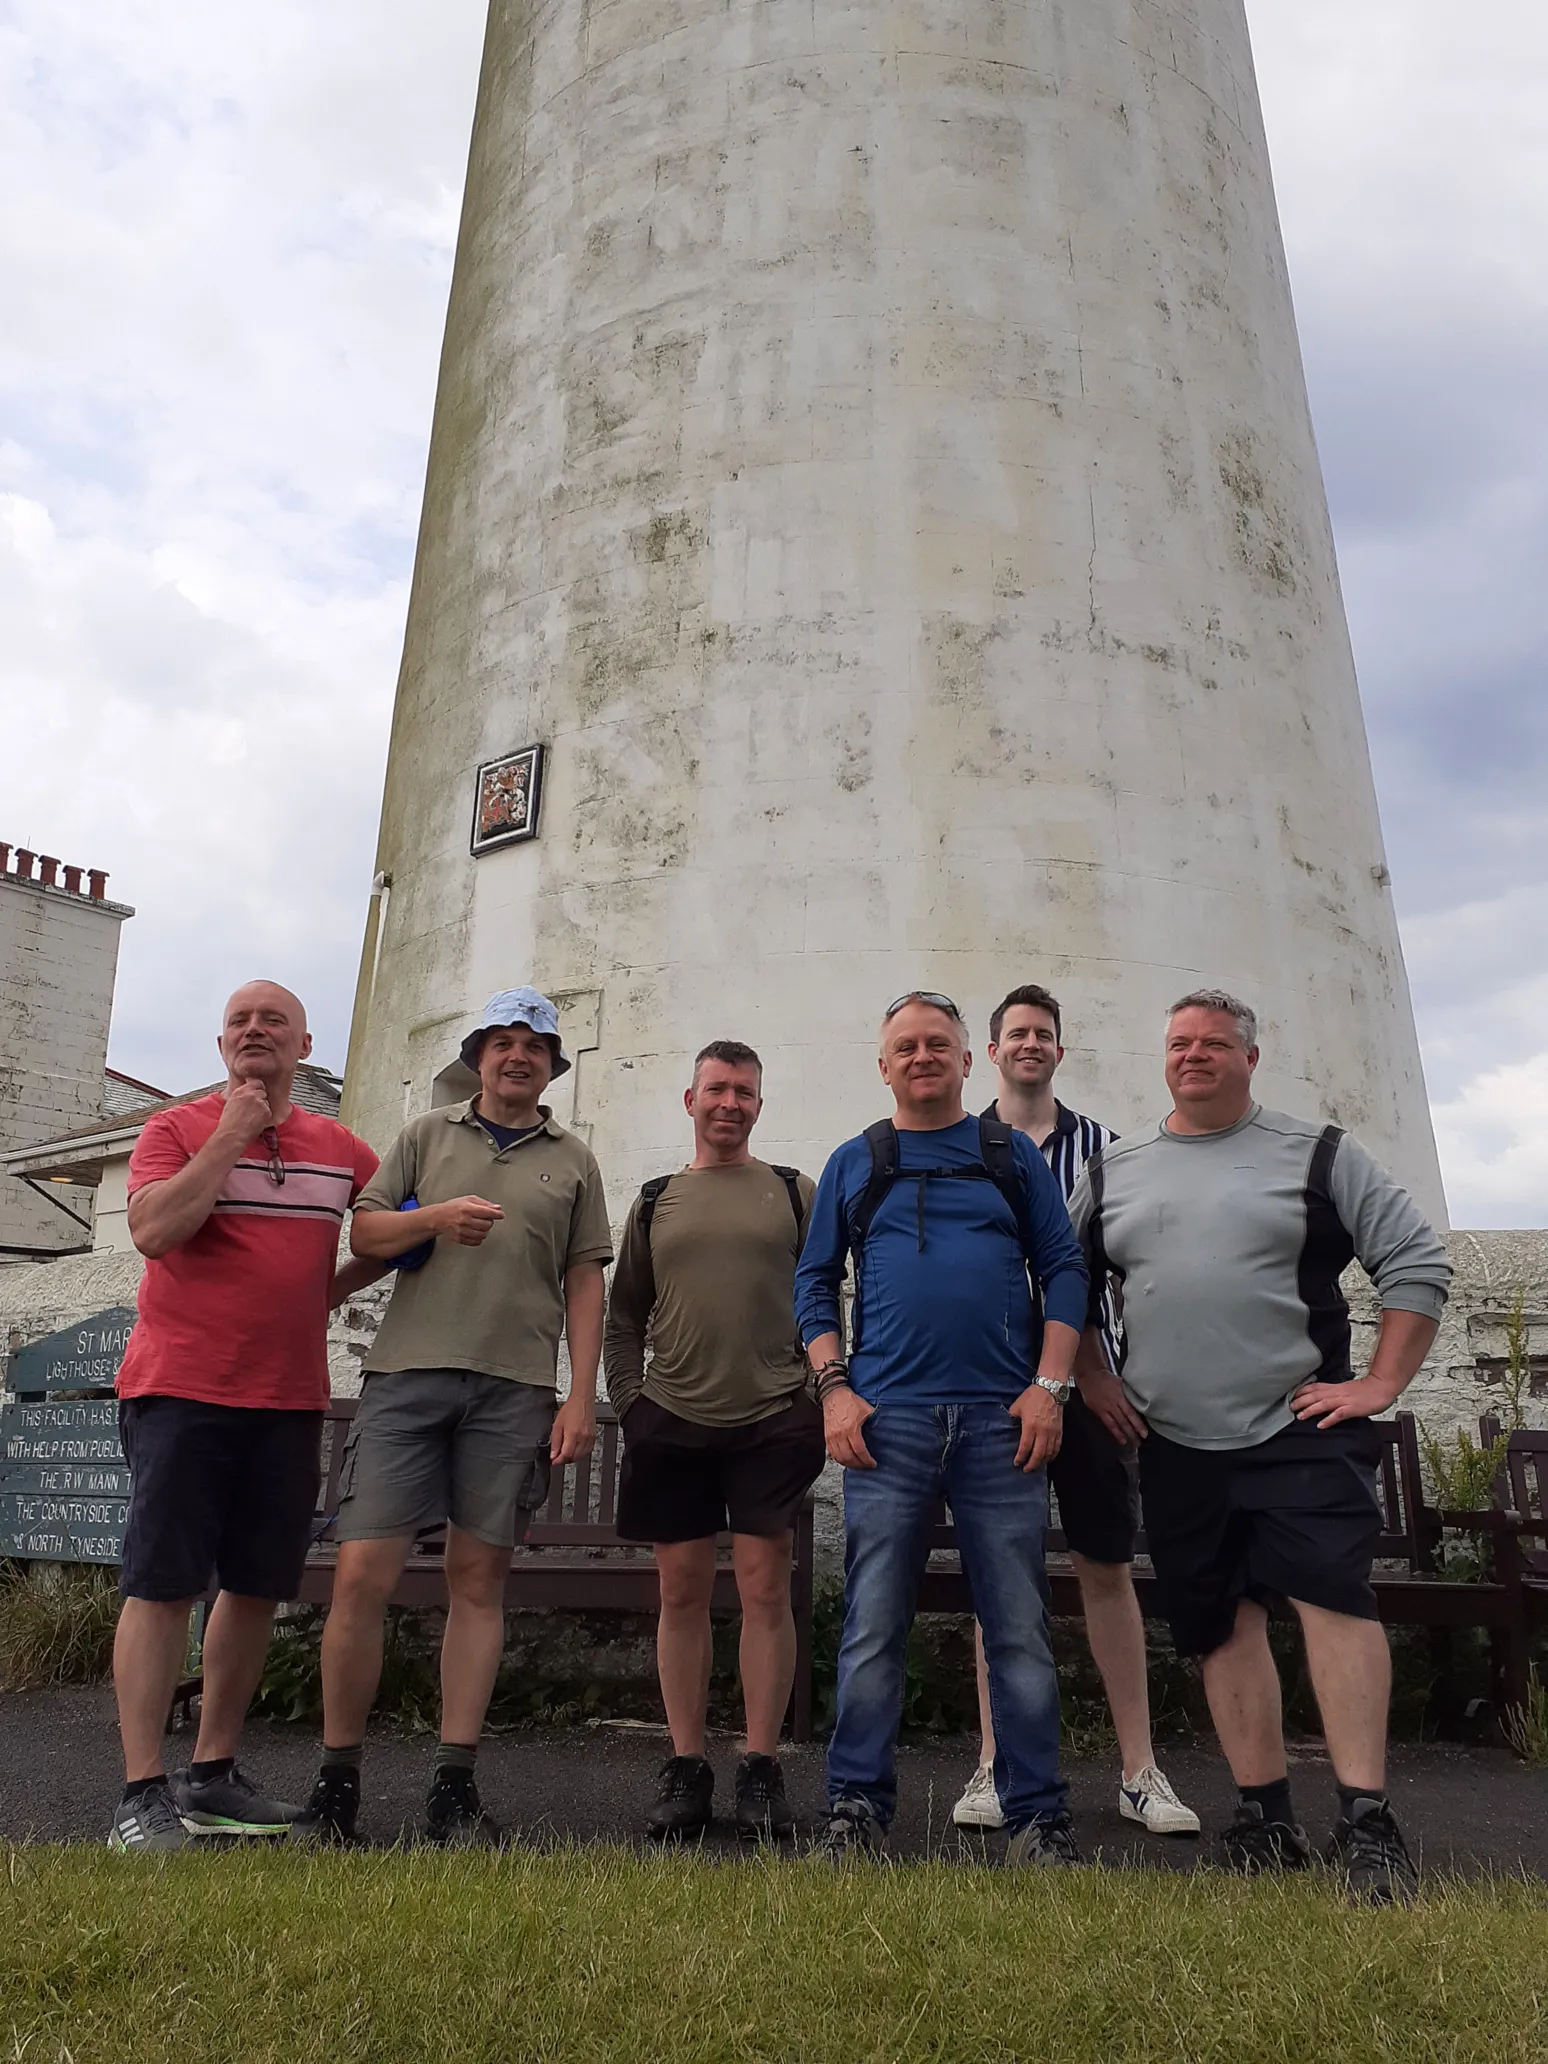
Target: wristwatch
{"x":1059,"y":1392}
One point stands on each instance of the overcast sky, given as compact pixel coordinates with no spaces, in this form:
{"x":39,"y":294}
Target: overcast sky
{"x":225,"y":242}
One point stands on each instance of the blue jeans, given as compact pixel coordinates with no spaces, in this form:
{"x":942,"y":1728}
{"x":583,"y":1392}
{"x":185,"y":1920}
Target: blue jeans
{"x":966,"y":1454}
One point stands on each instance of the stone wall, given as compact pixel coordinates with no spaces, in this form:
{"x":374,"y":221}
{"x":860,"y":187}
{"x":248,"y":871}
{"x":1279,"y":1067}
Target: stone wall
{"x":58,"y":958}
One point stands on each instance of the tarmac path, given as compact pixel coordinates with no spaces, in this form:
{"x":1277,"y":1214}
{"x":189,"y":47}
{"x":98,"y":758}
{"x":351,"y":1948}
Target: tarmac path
{"x":1468,"y":1810}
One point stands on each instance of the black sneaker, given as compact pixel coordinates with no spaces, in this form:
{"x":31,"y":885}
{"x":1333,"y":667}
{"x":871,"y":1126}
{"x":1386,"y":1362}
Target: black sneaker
{"x":852,"y":1832}
{"x":1253,"y":1845}
{"x":762,"y":1810}
{"x":455,"y":1819}
{"x":1044,"y":1845}
{"x":1368,"y":1850}
{"x":148,"y":1822}
{"x":330,"y":1814}
{"x":229,"y":1805}
{"x":684,"y":1799}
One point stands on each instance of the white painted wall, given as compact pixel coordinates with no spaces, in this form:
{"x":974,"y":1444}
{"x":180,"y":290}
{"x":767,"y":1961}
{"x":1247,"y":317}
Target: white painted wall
{"x":58,"y":959}
{"x":110,"y":1225}
{"x":872,"y":454}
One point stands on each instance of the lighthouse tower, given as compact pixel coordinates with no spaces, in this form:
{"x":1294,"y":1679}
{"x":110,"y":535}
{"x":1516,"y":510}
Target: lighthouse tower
{"x":872,"y":465}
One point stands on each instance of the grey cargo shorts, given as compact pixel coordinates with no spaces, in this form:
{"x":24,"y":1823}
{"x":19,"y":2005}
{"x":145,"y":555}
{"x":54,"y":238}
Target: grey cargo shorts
{"x":431,"y":1445}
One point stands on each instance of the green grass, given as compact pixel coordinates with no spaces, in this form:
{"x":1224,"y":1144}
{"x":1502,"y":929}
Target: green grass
{"x":592,"y":1954}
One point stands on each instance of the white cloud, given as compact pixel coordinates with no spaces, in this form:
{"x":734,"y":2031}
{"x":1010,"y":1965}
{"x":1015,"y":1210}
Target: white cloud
{"x":1494,"y":1138}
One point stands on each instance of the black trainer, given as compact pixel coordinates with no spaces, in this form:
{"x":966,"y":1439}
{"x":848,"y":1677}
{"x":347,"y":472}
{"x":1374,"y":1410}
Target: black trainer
{"x":455,"y":1817}
{"x":1044,"y":1845}
{"x":852,"y":1833}
{"x":762,"y":1811}
{"x":1253,"y":1845}
{"x":330,"y":1814}
{"x":1367,"y":1848}
{"x":230,"y":1804}
{"x":684,"y":1799}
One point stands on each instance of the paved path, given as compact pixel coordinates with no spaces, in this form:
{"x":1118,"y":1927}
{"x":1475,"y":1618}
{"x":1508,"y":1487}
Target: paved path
{"x":1465,"y":1809}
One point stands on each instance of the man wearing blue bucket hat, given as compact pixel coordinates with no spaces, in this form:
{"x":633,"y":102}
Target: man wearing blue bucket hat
{"x":458,"y":1420}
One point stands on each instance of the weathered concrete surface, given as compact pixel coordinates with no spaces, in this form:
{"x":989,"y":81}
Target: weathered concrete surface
{"x":872,"y":454}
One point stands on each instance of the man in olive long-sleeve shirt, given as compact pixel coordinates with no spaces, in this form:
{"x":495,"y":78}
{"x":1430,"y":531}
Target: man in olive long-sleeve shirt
{"x":720,"y":1431}
{"x":1228,"y":1227}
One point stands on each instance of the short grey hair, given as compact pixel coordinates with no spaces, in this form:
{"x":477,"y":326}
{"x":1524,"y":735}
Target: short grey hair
{"x":1221,"y":1000}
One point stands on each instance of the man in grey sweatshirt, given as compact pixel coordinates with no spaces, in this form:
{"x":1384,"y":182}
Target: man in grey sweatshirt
{"x":1227,"y":1228}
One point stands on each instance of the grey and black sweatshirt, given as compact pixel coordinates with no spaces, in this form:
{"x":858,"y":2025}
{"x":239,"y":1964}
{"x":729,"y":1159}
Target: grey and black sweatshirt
{"x":1228,"y":1247}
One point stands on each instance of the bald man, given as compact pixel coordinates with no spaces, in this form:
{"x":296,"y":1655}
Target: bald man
{"x":236,"y":1200}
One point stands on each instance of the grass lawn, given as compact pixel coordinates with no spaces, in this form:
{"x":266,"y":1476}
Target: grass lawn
{"x":597,"y":1953}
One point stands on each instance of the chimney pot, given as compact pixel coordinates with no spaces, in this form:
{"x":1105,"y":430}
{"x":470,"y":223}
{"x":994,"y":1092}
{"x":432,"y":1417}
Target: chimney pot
{"x":73,"y":880}
{"x":48,"y":871}
{"x":24,"y":861}
{"x":98,"y":881}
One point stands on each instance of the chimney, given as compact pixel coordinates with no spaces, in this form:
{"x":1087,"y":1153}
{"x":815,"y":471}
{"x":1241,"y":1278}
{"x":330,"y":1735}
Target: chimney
{"x":48,"y":871}
{"x":98,"y":881}
{"x":5,"y":857}
{"x":73,"y":880}
{"x":24,"y":861}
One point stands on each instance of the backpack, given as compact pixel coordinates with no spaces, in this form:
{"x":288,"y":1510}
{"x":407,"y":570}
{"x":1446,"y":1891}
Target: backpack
{"x":650,"y":1194}
{"x":998,"y":1166}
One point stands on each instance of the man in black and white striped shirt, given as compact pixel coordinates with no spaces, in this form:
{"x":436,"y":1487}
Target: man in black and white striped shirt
{"x":1089,"y":1475}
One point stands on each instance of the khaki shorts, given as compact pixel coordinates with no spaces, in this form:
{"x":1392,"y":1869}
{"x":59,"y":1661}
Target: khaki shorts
{"x":431,"y":1445}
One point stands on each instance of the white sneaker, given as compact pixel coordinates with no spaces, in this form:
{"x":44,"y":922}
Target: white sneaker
{"x":979,"y":1805}
{"x":1149,"y":1799}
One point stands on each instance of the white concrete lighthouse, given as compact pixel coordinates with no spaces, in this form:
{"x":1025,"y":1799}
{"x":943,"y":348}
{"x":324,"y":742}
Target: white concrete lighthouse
{"x":872,"y":461}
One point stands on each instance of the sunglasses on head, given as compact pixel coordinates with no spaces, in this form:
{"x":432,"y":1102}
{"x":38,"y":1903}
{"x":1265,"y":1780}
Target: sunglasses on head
{"x":933,"y":996}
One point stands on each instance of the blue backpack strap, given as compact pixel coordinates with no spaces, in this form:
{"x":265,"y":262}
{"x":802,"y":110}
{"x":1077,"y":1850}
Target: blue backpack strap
{"x":881,"y":1140}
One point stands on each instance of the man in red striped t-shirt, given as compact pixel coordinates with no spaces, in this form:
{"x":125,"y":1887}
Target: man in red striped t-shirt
{"x":236,"y":1201}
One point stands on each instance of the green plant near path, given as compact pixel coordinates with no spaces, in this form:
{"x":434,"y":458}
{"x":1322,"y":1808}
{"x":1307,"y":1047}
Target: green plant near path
{"x":56,"y":1627}
{"x":590,"y":1955}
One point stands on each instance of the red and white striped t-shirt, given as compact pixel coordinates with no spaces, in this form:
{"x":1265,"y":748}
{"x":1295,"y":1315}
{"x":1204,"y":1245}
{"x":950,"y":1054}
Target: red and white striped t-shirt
{"x":238,"y":1315}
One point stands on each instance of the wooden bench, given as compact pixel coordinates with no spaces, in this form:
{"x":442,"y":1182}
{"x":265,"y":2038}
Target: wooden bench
{"x":572,"y":1559}
{"x":1409,"y":1581}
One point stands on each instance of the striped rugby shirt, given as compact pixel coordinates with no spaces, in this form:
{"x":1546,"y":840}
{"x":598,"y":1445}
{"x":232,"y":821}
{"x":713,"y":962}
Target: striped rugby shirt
{"x":1067,"y":1149}
{"x":238,"y":1315}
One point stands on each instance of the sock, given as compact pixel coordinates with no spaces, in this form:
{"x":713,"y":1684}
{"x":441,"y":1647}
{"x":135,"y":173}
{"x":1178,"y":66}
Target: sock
{"x":1349,"y":1796}
{"x":343,"y":1760}
{"x":137,"y":1788}
{"x":454,"y":1763}
{"x":1273,"y":1798}
{"x":218,"y":1766}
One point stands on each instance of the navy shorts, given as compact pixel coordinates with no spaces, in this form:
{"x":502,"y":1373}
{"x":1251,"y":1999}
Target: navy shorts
{"x":1093,"y":1481}
{"x":217,"y":1490}
{"x":1294,"y":1517}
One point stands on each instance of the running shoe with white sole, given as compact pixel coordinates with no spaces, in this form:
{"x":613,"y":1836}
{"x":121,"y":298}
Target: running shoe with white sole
{"x":979,"y":1805}
{"x":230,"y":1805}
{"x":1149,"y":1799}
{"x":148,"y":1822}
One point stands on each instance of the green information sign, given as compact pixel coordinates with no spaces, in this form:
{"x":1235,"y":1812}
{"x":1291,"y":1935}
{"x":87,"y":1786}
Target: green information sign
{"x":83,"y":1357}
{"x":64,"y":1483}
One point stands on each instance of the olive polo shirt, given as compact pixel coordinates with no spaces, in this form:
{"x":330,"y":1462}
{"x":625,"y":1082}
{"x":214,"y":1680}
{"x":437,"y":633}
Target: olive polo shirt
{"x":497,"y":1308}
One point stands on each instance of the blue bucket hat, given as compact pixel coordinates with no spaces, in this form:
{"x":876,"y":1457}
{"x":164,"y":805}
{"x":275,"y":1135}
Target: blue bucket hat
{"x":517,"y":1007}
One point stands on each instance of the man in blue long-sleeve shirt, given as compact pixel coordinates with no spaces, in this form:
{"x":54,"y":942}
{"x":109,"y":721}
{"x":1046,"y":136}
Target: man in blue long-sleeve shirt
{"x":955,"y":1388}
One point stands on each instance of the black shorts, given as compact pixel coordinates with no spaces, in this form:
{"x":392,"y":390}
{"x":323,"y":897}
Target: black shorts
{"x":219,"y":1490}
{"x":1093,"y":1481}
{"x":1295,"y":1517}
{"x":681,"y":1481}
